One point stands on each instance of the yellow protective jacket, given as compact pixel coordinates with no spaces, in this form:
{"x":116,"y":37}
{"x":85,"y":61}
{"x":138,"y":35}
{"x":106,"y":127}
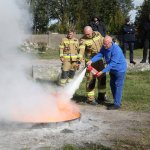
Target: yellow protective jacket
{"x":69,"y":49}
{"x":89,"y":47}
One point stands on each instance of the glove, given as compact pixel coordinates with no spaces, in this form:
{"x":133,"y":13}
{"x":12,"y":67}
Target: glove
{"x":78,"y":65}
{"x":61,"y":59}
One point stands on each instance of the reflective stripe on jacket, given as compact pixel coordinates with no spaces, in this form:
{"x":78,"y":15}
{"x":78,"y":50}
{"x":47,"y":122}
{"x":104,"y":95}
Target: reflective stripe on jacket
{"x":69,"y":48}
{"x":90,"y":46}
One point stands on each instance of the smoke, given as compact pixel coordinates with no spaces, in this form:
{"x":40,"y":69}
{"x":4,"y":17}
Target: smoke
{"x":18,"y":93}
{"x":74,"y":85}
{"x":20,"y":97}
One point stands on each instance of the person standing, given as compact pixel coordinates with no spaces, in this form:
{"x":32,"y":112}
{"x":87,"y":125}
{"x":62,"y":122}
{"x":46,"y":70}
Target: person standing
{"x":97,"y":25}
{"x":90,"y":45}
{"x":116,"y":66}
{"x":68,"y":50}
{"x":146,"y":29}
{"x":128,"y":39}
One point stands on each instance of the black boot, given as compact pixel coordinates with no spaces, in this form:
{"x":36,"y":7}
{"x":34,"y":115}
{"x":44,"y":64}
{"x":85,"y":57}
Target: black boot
{"x":102,"y":99}
{"x":143,"y":61}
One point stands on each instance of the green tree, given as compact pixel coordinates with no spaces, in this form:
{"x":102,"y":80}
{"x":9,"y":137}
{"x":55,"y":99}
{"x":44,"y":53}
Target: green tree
{"x":78,"y":13}
{"x":40,"y":13}
{"x":141,"y":17}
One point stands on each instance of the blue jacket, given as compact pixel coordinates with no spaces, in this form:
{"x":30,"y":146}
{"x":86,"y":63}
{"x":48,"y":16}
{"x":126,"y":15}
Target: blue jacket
{"x":114,"y":58}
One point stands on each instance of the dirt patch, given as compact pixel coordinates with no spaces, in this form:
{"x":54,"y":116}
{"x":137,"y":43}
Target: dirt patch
{"x":96,"y":125}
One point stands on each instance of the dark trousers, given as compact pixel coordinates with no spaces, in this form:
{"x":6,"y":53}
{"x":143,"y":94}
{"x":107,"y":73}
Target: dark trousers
{"x":131,"y":47}
{"x":116,"y":84}
{"x":145,"y":49}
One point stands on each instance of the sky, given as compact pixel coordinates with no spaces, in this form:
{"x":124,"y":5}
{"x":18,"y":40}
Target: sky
{"x":133,"y":12}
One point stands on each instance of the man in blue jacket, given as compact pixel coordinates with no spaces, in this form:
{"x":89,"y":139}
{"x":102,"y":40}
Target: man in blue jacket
{"x":116,"y":65}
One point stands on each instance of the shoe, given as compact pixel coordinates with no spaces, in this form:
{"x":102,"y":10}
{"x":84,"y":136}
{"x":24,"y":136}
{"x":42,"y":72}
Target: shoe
{"x":102,"y":99}
{"x":109,"y":104}
{"x":143,"y":61}
{"x":100,"y":102}
{"x":133,"y":62}
{"x":113,"y":107}
{"x":92,"y":102}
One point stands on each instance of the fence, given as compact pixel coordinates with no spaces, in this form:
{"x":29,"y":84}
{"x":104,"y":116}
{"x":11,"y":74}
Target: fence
{"x":52,"y":39}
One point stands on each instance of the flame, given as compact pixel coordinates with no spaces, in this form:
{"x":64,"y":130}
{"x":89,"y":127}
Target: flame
{"x":65,"y":110}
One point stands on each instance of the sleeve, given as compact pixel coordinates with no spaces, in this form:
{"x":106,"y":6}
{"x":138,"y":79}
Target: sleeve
{"x":77,"y":45}
{"x":92,"y":25}
{"x":133,"y":30}
{"x":147,"y":27}
{"x":61,"y":48}
{"x":113,"y":61}
{"x":98,"y":56}
{"x":81,"y":48}
{"x":104,"y":28}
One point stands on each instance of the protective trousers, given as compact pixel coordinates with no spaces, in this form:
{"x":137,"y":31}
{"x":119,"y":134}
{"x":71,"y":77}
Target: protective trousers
{"x":91,"y":82}
{"x":116,"y":84}
{"x":68,"y":71}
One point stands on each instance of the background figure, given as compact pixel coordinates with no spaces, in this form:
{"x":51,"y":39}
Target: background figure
{"x":97,"y":25}
{"x":146,"y":30}
{"x":90,"y":45}
{"x":68,"y":49}
{"x":128,"y":39}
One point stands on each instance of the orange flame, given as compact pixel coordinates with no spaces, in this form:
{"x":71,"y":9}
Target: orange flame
{"x":65,"y":110}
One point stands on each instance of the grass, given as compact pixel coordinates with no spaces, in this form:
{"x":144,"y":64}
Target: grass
{"x":49,"y":54}
{"x":138,"y":54}
{"x":136,"y":94}
{"x":85,"y":147}
{"x":54,"y":54}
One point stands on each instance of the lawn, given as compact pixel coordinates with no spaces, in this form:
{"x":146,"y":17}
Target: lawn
{"x":54,"y":54}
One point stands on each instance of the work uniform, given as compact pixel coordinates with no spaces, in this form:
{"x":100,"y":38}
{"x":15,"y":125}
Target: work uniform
{"x":89,"y":47}
{"x":68,"y":50}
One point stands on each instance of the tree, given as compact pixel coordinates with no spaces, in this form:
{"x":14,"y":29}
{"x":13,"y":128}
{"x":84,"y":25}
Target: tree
{"x":40,"y":13}
{"x":78,"y":13}
{"x":141,"y":17}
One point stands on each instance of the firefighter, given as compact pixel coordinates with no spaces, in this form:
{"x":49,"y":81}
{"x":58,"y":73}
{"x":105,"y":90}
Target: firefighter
{"x":90,"y":45}
{"x":68,"y":50}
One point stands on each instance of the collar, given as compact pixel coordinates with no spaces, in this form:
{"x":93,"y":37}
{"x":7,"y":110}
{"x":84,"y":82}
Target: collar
{"x":110,"y":49}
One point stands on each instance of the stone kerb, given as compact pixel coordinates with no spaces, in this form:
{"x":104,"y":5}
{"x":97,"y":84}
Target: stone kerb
{"x":51,"y":39}
{"x":46,"y":70}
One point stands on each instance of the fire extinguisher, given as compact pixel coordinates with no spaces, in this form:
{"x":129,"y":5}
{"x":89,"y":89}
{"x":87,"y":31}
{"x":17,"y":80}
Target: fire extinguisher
{"x":92,"y":70}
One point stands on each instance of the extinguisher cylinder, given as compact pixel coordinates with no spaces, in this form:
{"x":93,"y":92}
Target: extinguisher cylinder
{"x":93,"y":71}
